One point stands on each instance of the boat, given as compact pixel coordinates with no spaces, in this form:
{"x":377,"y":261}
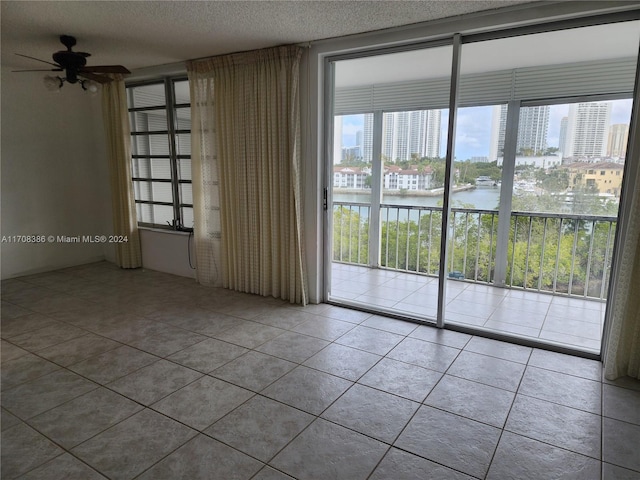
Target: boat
{"x":485,"y":181}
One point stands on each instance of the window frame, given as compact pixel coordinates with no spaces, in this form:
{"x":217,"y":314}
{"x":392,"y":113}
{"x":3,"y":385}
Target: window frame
{"x":172,"y":131}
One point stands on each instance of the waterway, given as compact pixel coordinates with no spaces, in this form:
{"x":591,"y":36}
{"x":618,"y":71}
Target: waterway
{"x":479,"y":198}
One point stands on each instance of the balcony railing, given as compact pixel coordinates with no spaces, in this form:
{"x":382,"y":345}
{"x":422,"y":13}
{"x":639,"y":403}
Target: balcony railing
{"x":555,"y":253}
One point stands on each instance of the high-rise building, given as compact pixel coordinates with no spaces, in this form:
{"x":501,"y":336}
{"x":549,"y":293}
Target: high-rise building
{"x":588,"y":129}
{"x":359,"y":140}
{"x":367,"y":140}
{"x":432,"y":134}
{"x":532,"y":130}
{"x":402,"y":138}
{"x":562,"y":137}
{"x":409,"y":134}
{"x":498,"y":127}
{"x":618,"y":138}
{"x":388,"y":129}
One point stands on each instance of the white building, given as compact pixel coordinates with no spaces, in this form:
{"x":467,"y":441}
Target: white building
{"x":532,"y":130}
{"x":498,"y":127}
{"x":411,"y":133}
{"x":588,"y":129}
{"x":545,"y":161}
{"x":367,"y":138}
{"x":618,"y":139}
{"x":350,"y":177}
{"x":562,"y":137}
{"x":395,"y":178}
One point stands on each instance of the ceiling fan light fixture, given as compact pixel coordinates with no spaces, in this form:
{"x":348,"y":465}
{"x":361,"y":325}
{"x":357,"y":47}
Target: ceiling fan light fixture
{"x":75,"y":68}
{"x":53,"y":84}
{"x":89,"y":86}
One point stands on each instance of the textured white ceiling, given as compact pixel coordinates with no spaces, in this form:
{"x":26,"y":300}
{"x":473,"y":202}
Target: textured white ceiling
{"x":140,"y":34}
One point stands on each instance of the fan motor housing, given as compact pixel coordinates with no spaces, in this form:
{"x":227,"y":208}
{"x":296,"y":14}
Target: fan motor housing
{"x":70,"y":60}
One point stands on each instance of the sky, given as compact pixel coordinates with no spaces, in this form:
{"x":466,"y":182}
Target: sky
{"x":473,"y":129}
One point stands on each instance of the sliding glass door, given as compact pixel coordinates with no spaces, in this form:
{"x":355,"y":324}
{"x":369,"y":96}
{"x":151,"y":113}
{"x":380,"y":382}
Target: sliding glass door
{"x":541,"y":128}
{"x":389,"y":146}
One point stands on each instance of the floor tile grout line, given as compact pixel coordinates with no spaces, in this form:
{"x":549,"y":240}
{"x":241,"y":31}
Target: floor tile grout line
{"x":64,"y":452}
{"x":504,"y":297}
{"x":552,"y":445}
{"x":65,"y":449}
{"x":396,"y":360}
{"x":504,"y":426}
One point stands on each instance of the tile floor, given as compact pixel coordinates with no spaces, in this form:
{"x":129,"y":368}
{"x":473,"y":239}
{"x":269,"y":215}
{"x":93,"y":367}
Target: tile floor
{"x":137,"y":374}
{"x":574,"y":322}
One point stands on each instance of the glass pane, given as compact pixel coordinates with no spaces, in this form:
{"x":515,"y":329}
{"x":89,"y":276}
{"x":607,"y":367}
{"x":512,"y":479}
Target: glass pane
{"x":151,"y":168}
{"x":181,"y":91}
{"x":353,"y":137}
{"x":145,"y":212}
{"x":141,"y":167}
{"x":150,"y":145}
{"x":153,"y":191}
{"x":412,"y":189}
{"x":409,"y":92}
{"x":184,"y":168}
{"x":411,"y":152}
{"x":183,"y":118}
{"x":162,"y":192}
{"x":149,"y":121}
{"x":161,"y":168}
{"x":568,"y":164}
{"x":187,"y":217}
{"x":162,"y":215}
{"x":147,"y":96}
{"x":353,"y":140}
{"x":183,"y":143}
{"x":479,"y":138}
{"x":580,"y":170}
{"x":142,"y":190}
{"x":186,"y":193}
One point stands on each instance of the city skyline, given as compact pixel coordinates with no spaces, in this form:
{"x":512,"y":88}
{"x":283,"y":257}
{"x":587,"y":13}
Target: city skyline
{"x":473,"y":129}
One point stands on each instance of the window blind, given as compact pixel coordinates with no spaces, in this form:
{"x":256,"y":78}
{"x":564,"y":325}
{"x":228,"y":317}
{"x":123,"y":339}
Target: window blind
{"x":614,"y":76}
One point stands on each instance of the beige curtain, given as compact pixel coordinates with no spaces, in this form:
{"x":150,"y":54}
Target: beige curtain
{"x":204,"y":174}
{"x":116,"y":121}
{"x":258,"y":152}
{"x":622,"y":351}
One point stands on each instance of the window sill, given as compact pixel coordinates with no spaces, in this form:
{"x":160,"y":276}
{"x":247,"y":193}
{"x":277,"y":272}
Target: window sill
{"x":167,"y":231}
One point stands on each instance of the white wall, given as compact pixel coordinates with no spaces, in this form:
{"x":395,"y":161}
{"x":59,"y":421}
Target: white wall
{"x":54,"y":176}
{"x":167,"y":252}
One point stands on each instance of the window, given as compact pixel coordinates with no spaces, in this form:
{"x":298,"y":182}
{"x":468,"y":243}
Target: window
{"x":160,"y":119}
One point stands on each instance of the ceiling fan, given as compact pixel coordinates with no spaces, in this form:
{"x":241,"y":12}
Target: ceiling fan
{"x":74,"y":64}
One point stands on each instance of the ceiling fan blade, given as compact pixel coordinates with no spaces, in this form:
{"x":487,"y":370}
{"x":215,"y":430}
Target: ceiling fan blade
{"x":41,"y":70}
{"x":95,"y":78}
{"x":105,"y":69}
{"x":38,"y":60}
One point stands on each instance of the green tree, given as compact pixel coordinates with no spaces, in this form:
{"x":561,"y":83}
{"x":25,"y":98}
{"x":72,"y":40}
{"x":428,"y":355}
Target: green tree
{"x":554,"y":181}
{"x":489,"y":169}
{"x":468,"y":172}
{"x":438,"y":168}
{"x":412,"y":244}
{"x":350,"y":235}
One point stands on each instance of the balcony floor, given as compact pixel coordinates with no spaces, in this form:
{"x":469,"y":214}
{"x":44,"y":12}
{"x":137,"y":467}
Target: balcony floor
{"x":573,"y":322}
